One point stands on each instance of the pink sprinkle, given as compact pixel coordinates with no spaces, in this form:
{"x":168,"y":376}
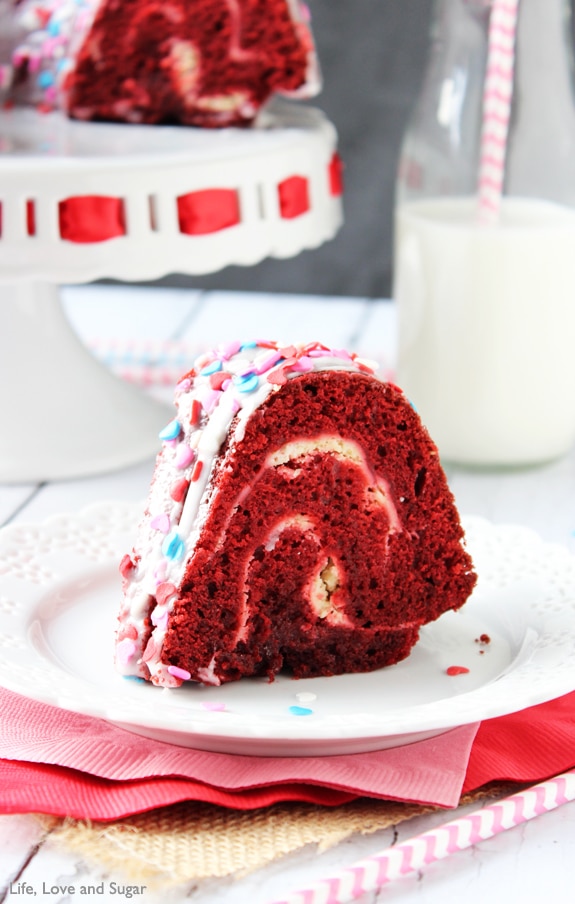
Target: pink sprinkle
{"x":129,"y":631}
{"x":179,"y":673}
{"x":342,"y":353}
{"x":214,"y":707}
{"x":184,"y":456}
{"x":48,"y":47}
{"x":164,"y":592}
{"x":217,"y":381}
{"x":161,"y":523}
{"x":277,"y":377}
{"x":183,"y":385}
{"x":126,"y":566}
{"x":303,"y":365}
{"x":211,"y":399}
{"x":236,"y":405}
{"x":457,"y":670}
{"x":229,"y":349}
{"x":160,"y":571}
{"x":159,"y":617}
{"x":125,"y":650}
{"x":179,"y":489}
{"x":150,"y":650}
{"x":318,"y":353}
{"x":268,"y":362}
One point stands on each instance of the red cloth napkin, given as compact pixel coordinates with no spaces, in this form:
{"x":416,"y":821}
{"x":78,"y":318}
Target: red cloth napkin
{"x":61,"y":762}
{"x":527,"y":746}
{"x":67,"y":764}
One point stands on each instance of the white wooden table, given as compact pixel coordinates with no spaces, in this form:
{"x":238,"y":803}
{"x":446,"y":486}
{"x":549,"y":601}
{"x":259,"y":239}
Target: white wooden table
{"x":531,"y":863}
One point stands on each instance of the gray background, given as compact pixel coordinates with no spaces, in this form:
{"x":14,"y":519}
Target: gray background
{"x":372,"y":54}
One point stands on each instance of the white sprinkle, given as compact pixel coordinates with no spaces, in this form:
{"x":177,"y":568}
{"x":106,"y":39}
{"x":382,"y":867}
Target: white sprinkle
{"x":305,"y":697}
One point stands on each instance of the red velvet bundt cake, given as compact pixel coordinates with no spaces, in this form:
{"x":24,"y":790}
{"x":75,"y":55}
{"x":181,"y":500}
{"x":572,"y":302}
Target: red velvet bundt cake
{"x":298,"y":518}
{"x":207,"y":63}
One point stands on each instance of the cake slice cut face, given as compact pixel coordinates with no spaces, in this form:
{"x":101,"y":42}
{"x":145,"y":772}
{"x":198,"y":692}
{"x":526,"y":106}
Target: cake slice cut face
{"x":298,"y":519}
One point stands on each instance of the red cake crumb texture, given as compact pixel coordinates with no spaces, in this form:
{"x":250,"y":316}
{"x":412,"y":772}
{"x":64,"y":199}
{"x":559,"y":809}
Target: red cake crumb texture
{"x":298,"y":519}
{"x":207,"y":63}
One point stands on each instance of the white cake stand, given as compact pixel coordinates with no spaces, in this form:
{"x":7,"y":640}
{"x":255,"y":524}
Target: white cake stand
{"x":64,"y":414}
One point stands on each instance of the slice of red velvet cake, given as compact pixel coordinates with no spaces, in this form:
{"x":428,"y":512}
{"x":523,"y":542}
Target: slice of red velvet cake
{"x":207,"y":63}
{"x":298,"y":518}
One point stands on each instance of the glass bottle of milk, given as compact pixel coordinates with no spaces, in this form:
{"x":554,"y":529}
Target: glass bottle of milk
{"x":487,"y":310}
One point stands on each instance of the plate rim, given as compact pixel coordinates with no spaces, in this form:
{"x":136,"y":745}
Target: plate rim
{"x":207,"y":731}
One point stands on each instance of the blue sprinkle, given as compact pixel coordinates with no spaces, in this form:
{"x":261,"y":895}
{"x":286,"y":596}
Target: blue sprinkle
{"x":45,"y":79}
{"x":212,"y":368}
{"x":134,"y":678}
{"x":248,"y":345}
{"x":53,"y":28}
{"x":172,"y":431}
{"x":247,"y":383}
{"x":300,"y":711}
{"x":173,"y":546}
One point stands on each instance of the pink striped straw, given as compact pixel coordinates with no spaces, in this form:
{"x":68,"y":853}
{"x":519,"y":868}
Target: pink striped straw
{"x":497,"y":98}
{"x":372,"y":873}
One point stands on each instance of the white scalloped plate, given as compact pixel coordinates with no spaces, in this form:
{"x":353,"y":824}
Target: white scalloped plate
{"x":60,"y":591}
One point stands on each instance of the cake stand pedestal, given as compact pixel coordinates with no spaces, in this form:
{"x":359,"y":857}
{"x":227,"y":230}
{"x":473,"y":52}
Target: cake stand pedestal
{"x":84,"y":201}
{"x":64,"y":415}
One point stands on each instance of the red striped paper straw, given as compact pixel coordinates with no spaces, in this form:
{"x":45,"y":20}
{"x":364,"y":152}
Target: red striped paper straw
{"x":497,"y":98}
{"x":372,"y":873}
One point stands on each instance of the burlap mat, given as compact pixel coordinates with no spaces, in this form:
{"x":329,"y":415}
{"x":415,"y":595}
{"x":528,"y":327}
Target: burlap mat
{"x":192,"y":841}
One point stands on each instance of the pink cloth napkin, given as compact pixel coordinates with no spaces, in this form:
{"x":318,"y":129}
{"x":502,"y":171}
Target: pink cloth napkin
{"x":68,"y":764}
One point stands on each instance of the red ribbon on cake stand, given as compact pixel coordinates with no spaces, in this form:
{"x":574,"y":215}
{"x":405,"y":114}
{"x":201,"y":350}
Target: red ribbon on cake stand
{"x":84,"y":201}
